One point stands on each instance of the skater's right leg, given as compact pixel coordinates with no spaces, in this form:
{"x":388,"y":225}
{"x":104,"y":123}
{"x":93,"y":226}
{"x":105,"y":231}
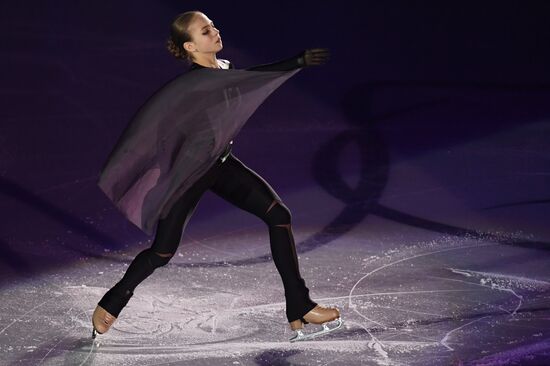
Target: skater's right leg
{"x":166,"y":242}
{"x":112,"y":303}
{"x":143,"y":265}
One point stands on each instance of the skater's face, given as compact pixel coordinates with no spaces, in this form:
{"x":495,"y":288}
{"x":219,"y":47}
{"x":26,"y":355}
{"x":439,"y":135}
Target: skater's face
{"x":205,"y":36}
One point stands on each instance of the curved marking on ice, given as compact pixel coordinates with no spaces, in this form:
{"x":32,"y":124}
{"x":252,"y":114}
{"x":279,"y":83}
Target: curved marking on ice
{"x":444,"y":343}
{"x":376,"y":344}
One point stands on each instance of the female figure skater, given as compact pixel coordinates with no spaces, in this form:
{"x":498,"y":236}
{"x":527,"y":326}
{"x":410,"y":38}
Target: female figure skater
{"x":195,"y":38}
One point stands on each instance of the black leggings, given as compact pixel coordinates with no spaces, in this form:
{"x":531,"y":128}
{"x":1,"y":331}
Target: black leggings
{"x":238,"y":184}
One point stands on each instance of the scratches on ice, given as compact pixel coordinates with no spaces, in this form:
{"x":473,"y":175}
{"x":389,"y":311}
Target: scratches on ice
{"x":519,"y":281}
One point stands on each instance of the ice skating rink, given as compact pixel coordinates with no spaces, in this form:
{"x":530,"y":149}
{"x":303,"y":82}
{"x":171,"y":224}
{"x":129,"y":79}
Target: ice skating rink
{"x":415,"y":163}
{"x":435,"y":250}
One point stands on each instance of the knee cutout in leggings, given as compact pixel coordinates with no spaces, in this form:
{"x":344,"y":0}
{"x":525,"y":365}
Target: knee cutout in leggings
{"x":160,"y":259}
{"x":287,"y":226}
{"x":164,"y":254}
{"x":278,"y":215}
{"x":271,"y":206}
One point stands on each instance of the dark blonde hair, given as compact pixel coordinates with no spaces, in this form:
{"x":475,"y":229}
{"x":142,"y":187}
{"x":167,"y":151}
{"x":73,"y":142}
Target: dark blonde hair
{"x":179,"y":35}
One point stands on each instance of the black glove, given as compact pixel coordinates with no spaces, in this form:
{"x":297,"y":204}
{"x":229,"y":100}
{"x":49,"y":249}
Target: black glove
{"x":314,"y":56}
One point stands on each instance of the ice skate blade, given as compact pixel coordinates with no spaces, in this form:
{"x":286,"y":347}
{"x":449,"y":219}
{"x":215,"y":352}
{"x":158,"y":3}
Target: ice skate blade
{"x":301,"y":336}
{"x":95,"y":332}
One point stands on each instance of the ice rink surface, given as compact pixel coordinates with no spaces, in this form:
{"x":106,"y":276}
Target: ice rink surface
{"x":419,"y":208}
{"x":425,"y":223}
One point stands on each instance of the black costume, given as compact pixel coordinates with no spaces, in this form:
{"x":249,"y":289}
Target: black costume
{"x":230,"y":179}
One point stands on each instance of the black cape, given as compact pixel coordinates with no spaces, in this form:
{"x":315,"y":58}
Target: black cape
{"x":177,"y":135}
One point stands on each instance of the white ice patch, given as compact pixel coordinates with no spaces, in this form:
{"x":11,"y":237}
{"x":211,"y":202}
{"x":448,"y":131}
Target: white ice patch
{"x":504,"y":280}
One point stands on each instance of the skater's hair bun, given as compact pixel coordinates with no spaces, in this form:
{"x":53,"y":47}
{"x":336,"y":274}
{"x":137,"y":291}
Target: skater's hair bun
{"x":179,"y":35}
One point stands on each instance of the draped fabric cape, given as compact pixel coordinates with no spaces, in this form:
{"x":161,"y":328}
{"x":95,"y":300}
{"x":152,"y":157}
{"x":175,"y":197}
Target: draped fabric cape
{"x":177,"y":135}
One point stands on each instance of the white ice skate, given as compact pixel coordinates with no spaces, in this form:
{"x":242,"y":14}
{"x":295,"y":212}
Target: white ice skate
{"x":301,"y":336}
{"x":318,"y":315}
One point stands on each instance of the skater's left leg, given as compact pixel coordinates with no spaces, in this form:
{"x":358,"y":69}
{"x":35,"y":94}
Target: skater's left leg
{"x":283,"y":249}
{"x":245,"y":189}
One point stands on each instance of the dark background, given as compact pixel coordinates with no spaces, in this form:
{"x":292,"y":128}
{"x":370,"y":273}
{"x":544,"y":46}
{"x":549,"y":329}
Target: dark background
{"x":74,"y":72}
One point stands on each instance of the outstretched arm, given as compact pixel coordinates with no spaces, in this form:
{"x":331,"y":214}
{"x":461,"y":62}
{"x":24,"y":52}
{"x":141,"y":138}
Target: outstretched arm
{"x":309,"y":57}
